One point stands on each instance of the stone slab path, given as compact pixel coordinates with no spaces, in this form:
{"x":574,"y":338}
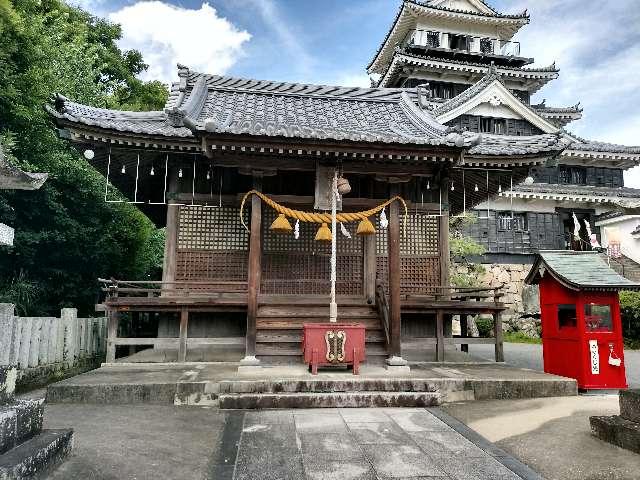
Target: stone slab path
{"x":365,"y":444}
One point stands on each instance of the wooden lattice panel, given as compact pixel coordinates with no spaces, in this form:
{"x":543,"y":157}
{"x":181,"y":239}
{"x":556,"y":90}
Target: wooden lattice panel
{"x":202,"y":265}
{"x":421,"y":236}
{"x":301,"y":266}
{"x":202,"y":228}
{"x":419,"y":255}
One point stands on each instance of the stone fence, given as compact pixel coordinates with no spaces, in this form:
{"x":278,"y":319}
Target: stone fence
{"x":48,"y":348}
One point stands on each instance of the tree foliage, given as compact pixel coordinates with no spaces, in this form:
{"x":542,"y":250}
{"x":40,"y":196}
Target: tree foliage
{"x":462,"y":250}
{"x":66,"y":235}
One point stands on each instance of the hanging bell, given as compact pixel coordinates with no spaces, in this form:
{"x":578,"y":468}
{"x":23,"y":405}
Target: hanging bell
{"x":324,"y":233}
{"x":281,"y":224}
{"x":343,"y":186}
{"x":365,"y":227}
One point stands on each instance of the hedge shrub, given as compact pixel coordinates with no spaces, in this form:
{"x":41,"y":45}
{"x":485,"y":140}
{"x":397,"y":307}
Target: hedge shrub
{"x":630,"y":311}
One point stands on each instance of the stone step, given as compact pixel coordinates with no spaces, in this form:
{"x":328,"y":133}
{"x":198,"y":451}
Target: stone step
{"x":19,"y":422}
{"x":38,"y":455}
{"x":630,"y":405}
{"x":346,"y":384}
{"x":328,"y":400}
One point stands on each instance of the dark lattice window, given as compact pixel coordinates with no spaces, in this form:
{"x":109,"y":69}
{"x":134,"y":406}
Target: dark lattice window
{"x":459,"y":42}
{"x":433,"y":39}
{"x":486,"y":45}
{"x":497,"y":126}
{"x":512,"y":221}
{"x":572,"y":175}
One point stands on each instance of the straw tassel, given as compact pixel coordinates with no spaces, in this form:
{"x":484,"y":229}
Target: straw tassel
{"x":324,"y":233}
{"x":281,"y":224}
{"x":365,"y":227}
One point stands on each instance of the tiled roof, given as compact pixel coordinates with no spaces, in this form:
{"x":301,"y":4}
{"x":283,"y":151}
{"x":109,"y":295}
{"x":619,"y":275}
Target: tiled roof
{"x":201,"y":104}
{"x":578,"y":192}
{"x":578,"y":270}
{"x":469,"y":93}
{"x":505,"y":145}
{"x":495,"y":14}
{"x":148,"y":123}
{"x":401,"y":58}
{"x":12,"y":178}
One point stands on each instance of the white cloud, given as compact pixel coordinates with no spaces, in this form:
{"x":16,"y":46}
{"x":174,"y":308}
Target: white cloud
{"x":166,"y":34}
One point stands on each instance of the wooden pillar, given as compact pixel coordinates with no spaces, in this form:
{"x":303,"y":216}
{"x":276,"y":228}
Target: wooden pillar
{"x":171,"y":235}
{"x":443,"y":240}
{"x":464,"y":329}
{"x":254,"y":269}
{"x":439,"y":336}
{"x":369,"y":252}
{"x":112,"y":334}
{"x":497,"y":326}
{"x":182,"y":342}
{"x":393,"y":253}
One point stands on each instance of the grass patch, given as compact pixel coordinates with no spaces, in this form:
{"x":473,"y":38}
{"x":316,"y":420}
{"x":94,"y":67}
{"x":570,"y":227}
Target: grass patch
{"x":519,"y":337}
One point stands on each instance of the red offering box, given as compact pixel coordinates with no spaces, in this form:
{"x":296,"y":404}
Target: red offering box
{"x":328,"y":344}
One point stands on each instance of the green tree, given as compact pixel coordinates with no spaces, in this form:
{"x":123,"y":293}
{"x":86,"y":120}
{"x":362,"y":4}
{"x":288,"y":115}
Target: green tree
{"x":66,"y":235}
{"x":463,"y":249}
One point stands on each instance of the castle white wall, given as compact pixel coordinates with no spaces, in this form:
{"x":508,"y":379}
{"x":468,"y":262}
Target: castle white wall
{"x":620,"y":229}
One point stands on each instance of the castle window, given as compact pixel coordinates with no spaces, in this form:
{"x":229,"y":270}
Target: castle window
{"x":512,"y":221}
{"x":572,"y":175}
{"x":497,"y":126}
{"x":458,"y":42}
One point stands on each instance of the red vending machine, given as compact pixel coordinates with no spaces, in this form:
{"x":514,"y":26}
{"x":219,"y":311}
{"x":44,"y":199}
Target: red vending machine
{"x":580,"y":312}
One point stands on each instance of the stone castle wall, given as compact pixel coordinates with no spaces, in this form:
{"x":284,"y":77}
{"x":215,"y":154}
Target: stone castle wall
{"x":523,"y":314}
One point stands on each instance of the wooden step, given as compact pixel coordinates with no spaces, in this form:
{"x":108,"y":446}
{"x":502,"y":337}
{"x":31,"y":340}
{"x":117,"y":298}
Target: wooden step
{"x":295,"y":336}
{"x":315,"y":311}
{"x":298,"y":323}
{"x":295,"y":349}
{"x":297,"y":300}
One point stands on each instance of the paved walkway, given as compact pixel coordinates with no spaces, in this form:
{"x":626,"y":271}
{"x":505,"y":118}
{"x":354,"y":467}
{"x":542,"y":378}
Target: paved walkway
{"x":163,"y":442}
{"x":552,"y":435}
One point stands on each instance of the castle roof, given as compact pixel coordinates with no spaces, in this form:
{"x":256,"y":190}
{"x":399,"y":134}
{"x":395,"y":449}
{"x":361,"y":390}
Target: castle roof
{"x":405,"y":21}
{"x":620,"y":196}
{"x":537,"y":77}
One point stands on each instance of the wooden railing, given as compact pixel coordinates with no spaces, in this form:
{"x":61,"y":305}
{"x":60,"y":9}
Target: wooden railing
{"x":485,"y":294}
{"x":383,"y":308}
{"x":150,"y":288}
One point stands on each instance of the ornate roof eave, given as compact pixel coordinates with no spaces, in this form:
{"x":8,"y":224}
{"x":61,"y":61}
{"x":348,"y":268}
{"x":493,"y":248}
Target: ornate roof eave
{"x":540,"y":76}
{"x":13,"y":178}
{"x":515,"y":22}
{"x":608,"y":198}
{"x":478,"y":93}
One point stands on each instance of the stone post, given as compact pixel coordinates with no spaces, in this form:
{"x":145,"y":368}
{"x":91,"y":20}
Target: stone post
{"x":25,"y":341}
{"x":68,"y":316}
{"x":7,"y":320}
{"x":34,"y":348}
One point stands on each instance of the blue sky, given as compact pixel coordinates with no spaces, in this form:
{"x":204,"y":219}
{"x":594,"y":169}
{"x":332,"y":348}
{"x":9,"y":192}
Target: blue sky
{"x":595,"y":43}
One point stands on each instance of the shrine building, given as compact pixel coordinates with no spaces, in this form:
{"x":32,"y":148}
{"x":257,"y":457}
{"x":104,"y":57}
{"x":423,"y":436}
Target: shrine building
{"x":448,"y":128}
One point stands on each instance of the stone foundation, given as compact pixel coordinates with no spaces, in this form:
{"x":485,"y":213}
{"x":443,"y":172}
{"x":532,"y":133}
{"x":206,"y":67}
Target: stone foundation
{"x":523,"y":314}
